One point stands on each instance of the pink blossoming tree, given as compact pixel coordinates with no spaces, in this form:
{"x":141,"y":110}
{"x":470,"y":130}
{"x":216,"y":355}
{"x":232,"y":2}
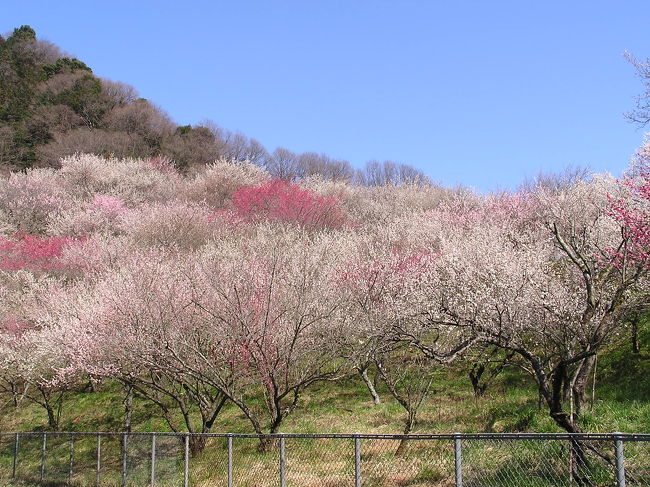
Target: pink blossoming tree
{"x":282,"y":201}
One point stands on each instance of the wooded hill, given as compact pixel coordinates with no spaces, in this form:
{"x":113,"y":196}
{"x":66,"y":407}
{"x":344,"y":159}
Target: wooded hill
{"x":52,"y":105}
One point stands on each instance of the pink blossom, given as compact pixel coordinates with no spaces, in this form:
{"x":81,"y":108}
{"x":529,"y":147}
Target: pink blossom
{"x":34,"y":253}
{"x":281,"y":201}
{"x":632,"y":212}
{"x":13,"y":325}
{"x":107,"y":206}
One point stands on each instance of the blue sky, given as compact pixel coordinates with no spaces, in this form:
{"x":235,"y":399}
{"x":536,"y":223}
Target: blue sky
{"x":480,"y":93}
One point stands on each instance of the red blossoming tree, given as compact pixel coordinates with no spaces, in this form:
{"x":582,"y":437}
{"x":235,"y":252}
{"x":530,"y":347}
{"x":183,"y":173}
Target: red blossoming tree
{"x":286,"y":202}
{"x":34,"y":253}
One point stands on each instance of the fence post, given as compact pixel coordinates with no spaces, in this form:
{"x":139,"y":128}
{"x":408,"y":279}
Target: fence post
{"x":458,"y":463}
{"x":620,"y":461}
{"x":282,"y":462}
{"x":43,"y":446}
{"x":229,"y":459}
{"x":571,"y":461}
{"x":99,"y":459}
{"x":152,"y":480}
{"x":15,"y":462}
{"x":186,"y":463}
{"x":71,"y":457}
{"x":357,"y":460}
{"x":124,"y":459}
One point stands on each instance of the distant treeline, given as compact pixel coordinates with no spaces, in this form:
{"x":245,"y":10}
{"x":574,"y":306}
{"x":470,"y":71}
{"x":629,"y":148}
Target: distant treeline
{"x":52,"y":105}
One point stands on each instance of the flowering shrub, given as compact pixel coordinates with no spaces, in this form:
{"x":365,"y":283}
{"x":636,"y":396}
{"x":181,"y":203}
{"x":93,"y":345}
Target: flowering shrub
{"x":13,"y":326}
{"x":286,"y":202}
{"x":216,"y":184}
{"x":30,"y":201}
{"x":173,"y":224}
{"x":131,"y":180}
{"x":163,"y":164}
{"x":108,"y":206}
{"x":101,"y":215}
{"x":632,"y":212}
{"x":33,"y":253}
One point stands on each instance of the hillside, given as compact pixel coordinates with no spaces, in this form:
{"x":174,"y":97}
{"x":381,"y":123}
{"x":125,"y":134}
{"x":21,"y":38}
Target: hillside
{"x":509,"y":405}
{"x":52,"y":106}
{"x":621,"y":403}
{"x":156,"y":277}
{"x":228,"y":287}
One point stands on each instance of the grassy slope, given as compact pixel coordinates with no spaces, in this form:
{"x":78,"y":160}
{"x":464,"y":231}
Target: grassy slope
{"x":622,"y":404}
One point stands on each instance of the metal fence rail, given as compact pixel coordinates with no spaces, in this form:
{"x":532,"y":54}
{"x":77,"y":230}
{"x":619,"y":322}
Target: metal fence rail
{"x":327,"y":460}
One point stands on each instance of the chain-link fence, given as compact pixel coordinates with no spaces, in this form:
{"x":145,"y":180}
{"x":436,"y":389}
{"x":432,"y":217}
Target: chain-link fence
{"x":329,"y":460}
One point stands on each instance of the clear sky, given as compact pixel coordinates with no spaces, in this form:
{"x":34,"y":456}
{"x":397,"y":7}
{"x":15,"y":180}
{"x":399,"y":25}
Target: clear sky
{"x":481,"y":93}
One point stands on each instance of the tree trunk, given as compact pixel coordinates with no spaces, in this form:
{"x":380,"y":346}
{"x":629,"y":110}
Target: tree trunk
{"x":52,"y":419}
{"x":257,"y":427}
{"x":553,"y":389}
{"x":485,"y":371}
{"x":408,"y":427}
{"x":635,"y":335}
{"x":197,"y":445}
{"x":268,"y":444}
{"x":581,"y":382}
{"x":363,"y":371}
{"x":555,"y":401}
{"x":53,"y":410}
{"x":375,"y":379}
{"x":475,"y":378}
{"x":14,"y":394}
{"x":579,"y":464}
{"x":128,"y":408}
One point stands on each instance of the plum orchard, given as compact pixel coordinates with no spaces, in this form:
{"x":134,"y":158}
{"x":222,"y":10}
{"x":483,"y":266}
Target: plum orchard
{"x":228,"y":286}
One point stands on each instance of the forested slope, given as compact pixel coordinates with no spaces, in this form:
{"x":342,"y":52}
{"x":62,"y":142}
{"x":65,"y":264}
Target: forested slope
{"x":52,"y":105}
